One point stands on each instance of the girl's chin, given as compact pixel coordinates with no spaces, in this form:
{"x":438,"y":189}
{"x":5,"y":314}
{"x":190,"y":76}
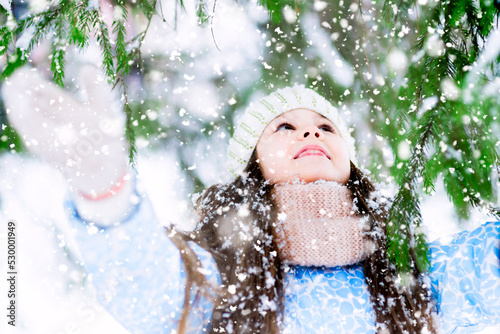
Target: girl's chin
{"x":320,"y":170}
{"x":311,"y":177}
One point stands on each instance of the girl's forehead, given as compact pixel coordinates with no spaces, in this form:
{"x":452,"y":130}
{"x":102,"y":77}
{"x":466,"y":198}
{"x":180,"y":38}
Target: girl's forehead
{"x":296,"y":113}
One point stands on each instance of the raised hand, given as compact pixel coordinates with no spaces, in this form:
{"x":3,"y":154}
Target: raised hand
{"x":83,"y":138}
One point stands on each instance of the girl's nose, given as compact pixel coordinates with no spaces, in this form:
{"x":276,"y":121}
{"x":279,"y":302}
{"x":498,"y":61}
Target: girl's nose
{"x":311,"y":132}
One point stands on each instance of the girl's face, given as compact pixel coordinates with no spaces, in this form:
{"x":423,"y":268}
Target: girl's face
{"x":305,"y":145}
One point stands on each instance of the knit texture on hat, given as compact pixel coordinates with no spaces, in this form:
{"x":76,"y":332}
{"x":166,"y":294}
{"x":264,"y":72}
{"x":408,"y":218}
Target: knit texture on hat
{"x":258,"y":115}
{"x":317,"y":225}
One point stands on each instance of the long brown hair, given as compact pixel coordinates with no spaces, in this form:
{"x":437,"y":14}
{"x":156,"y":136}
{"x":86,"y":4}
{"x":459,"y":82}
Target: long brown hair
{"x":401,"y":304}
{"x":236,"y":228}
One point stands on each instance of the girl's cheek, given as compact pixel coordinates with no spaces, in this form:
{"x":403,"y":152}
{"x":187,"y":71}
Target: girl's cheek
{"x":281,"y":154}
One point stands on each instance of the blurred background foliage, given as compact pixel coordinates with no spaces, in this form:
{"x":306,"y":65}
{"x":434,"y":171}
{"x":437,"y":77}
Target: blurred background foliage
{"x":412,"y":78}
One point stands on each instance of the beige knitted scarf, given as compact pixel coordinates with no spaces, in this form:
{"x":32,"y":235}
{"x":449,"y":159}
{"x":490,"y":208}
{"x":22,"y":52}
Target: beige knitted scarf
{"x":317,"y":225}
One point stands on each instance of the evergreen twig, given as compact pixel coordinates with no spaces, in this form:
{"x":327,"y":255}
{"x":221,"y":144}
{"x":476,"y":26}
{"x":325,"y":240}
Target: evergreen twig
{"x":440,"y":128}
{"x":102,"y":34}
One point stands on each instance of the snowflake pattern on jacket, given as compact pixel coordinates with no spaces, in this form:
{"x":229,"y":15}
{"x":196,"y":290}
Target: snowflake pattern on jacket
{"x":140,"y":279}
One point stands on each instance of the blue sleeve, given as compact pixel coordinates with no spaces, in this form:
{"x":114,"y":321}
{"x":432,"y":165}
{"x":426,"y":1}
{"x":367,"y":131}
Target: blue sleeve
{"x":465,"y":279}
{"x":138,"y":272}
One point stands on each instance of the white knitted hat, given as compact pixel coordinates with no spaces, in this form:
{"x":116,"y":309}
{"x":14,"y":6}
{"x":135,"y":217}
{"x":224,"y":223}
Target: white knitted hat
{"x":257,"y":116}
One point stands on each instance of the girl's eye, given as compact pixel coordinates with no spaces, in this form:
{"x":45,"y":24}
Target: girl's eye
{"x":327,"y":128}
{"x":284,"y":126}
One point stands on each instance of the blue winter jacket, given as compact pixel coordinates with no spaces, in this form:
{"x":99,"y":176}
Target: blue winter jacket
{"x":139,"y":278}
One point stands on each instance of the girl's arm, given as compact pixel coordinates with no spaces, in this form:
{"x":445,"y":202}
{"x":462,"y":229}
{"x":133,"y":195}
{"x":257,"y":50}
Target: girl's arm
{"x":138,"y":272}
{"x":136,"y":269}
{"x":465,"y":279}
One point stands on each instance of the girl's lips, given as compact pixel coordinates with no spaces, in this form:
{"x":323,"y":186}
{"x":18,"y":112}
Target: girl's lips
{"x":312,"y":150}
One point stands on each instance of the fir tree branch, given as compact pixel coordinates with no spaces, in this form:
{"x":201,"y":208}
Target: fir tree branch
{"x":121,"y":54}
{"x":404,"y":216}
{"x":58,"y":48}
{"x":148,"y":9}
{"x":400,"y":8}
{"x":129,"y":124}
{"x":444,"y":120}
{"x":202,"y":11}
{"x":276,"y":7}
{"x":136,"y":51}
{"x":80,"y":24}
{"x":102,"y":34}
{"x":123,"y":60}
{"x":6,"y":37}
{"x":19,"y":56}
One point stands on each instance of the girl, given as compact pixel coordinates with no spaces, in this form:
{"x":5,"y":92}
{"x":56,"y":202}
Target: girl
{"x":295,"y":243}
